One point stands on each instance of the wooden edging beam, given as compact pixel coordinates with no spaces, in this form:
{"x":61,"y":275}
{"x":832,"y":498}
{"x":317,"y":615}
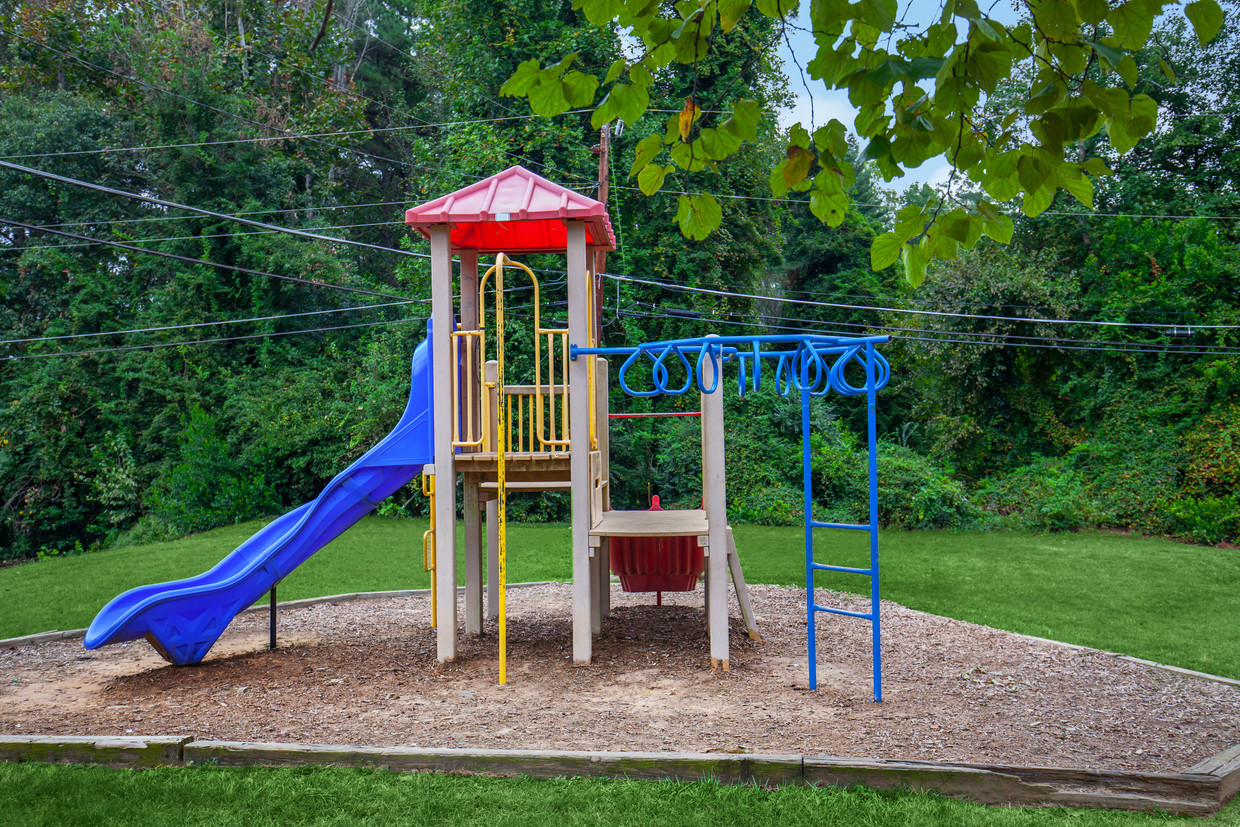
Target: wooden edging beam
{"x":1189,"y":793}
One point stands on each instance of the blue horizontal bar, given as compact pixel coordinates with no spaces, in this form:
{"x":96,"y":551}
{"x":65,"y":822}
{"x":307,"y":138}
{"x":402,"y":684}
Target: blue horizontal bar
{"x":816,"y":524}
{"x":818,"y":608}
{"x":825,"y":567}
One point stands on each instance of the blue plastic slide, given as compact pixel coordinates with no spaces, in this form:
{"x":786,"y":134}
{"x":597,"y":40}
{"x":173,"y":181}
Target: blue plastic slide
{"x":184,"y":618}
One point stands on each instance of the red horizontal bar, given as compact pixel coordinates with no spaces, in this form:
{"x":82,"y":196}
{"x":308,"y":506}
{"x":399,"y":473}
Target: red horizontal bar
{"x":669,"y":413}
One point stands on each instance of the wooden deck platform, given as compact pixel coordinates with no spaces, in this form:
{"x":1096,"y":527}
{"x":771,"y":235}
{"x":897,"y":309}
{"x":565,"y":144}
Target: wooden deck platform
{"x":651,"y":524}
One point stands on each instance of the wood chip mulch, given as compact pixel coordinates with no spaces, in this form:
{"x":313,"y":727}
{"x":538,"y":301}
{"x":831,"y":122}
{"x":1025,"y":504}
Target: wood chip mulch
{"x":364,"y":672}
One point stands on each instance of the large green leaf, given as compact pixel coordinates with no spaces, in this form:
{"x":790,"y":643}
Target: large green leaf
{"x":731,"y":12}
{"x":631,"y":102}
{"x":547,"y":97}
{"x":698,"y":215}
{"x":914,"y":265}
{"x":522,"y":80}
{"x":648,"y":149}
{"x":880,"y":14}
{"x":885,"y":250}
{"x":1133,"y":22}
{"x":579,"y":88}
{"x":1207,"y":19}
{"x":650,"y":179}
{"x":799,"y":162}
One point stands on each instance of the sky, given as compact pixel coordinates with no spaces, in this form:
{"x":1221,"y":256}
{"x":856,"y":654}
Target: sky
{"x":827,"y":104}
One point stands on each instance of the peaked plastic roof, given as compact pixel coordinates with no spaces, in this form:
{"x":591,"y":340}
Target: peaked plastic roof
{"x":514,"y":211}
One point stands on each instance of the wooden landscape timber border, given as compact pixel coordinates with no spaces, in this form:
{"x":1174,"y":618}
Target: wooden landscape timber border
{"x":1201,"y":790}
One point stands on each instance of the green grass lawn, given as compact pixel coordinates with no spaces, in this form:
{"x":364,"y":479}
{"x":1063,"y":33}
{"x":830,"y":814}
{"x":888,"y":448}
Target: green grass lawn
{"x":54,"y":795}
{"x":1155,"y":599}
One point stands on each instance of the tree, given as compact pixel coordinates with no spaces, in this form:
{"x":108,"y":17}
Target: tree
{"x":919,"y":91}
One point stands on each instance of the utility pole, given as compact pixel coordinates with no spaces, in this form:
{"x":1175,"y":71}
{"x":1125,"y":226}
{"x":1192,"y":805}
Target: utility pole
{"x":600,"y":257}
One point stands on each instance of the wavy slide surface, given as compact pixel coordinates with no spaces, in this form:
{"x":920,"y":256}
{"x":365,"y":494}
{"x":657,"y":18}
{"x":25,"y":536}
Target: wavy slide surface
{"x":184,"y":618}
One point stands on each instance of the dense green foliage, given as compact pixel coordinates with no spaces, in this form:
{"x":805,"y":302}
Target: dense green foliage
{"x":1084,"y":376}
{"x":219,"y":796}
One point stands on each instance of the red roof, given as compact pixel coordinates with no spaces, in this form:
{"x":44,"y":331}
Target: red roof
{"x":514,"y":211}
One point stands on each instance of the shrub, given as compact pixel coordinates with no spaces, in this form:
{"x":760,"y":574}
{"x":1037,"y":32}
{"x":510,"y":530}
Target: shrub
{"x":209,"y":486}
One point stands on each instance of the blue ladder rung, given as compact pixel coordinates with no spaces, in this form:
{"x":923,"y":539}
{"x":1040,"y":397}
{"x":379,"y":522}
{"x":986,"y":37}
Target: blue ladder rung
{"x":852,"y":526}
{"x":862,"y":615}
{"x":825,"y":567}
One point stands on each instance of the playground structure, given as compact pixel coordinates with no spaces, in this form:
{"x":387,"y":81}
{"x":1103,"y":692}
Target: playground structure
{"x":465,"y":416}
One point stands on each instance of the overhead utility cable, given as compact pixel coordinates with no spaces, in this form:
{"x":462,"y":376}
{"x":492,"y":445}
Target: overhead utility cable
{"x":202,"y":341}
{"x":912,"y":311}
{"x":165,"y":328}
{"x":189,"y":260}
{"x":159,"y":202}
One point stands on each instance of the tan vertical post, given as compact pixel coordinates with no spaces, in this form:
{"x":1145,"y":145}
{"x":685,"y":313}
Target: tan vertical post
{"x":602,"y":407}
{"x":473,"y":559}
{"x":471,"y":422}
{"x":491,"y":427}
{"x":445,"y":467}
{"x":714,"y":490}
{"x":580,"y":293}
{"x":493,"y":558}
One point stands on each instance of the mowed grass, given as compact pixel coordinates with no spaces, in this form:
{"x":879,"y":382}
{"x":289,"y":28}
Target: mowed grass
{"x":55,"y":795}
{"x":1150,"y":598}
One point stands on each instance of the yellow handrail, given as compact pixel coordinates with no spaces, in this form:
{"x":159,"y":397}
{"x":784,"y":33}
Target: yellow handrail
{"x":550,"y":431}
{"x":428,"y":546}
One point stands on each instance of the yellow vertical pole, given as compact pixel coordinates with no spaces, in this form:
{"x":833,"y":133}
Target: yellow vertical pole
{"x":499,"y":475}
{"x":428,"y":546}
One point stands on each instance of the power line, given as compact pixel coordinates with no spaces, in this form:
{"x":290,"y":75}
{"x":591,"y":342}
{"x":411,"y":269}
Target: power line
{"x":911,"y":311}
{"x":233,"y":234}
{"x":967,"y":334}
{"x":200,"y":211}
{"x":308,"y":208}
{"x":164,"y":328}
{"x":156,"y":345}
{"x":1100,"y":347}
{"x":889,"y":207}
{"x":196,"y":261}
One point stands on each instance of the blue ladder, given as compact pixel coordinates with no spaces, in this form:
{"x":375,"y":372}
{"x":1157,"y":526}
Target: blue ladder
{"x":812,"y":608}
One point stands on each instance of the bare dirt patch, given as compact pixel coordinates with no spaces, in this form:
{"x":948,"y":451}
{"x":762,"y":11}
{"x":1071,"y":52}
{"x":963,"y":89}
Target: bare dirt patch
{"x":364,"y":672}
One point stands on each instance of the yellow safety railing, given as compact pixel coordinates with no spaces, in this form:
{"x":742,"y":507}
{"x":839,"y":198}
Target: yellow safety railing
{"x":538,"y":413}
{"x":428,"y":546}
{"x":468,"y":401}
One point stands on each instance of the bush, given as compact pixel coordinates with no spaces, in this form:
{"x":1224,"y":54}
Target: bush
{"x":1207,"y":521}
{"x":915,"y":493}
{"x":209,"y":487}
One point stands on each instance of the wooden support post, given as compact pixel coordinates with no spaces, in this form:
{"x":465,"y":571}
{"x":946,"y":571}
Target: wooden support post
{"x":742,"y":591}
{"x":602,"y":406}
{"x":579,"y":295}
{"x":604,"y":564}
{"x":473,"y":560}
{"x":714,"y":490}
{"x":492,"y":558}
{"x":445,"y":466}
{"x":596,"y":594}
{"x":491,"y":425}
